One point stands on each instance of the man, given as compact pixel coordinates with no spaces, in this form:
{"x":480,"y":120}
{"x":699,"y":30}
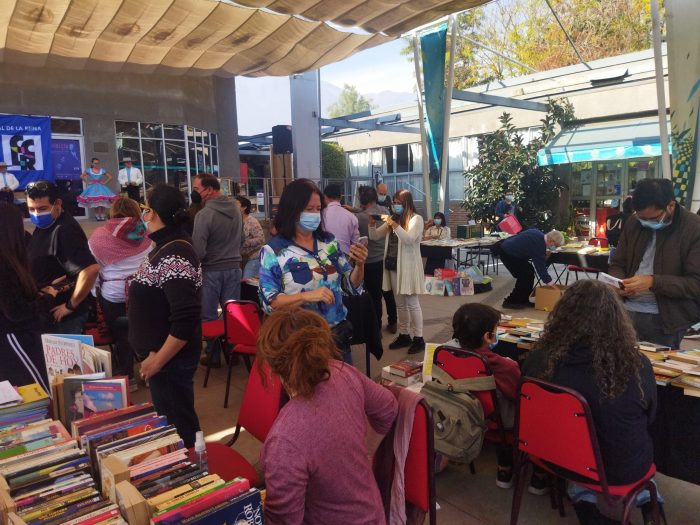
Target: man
{"x":516,"y":252}
{"x":505,"y":206}
{"x":59,"y":255}
{"x":383,"y":197}
{"x":217,"y":237}
{"x":658,"y":258}
{"x":130,"y":180}
{"x":8,"y":184}
{"x":339,"y":221}
{"x":374,"y":265}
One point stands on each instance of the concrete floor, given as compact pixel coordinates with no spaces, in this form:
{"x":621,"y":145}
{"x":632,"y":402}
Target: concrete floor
{"x":463,"y":498}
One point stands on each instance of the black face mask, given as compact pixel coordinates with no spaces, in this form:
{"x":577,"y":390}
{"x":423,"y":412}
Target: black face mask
{"x":195,"y":197}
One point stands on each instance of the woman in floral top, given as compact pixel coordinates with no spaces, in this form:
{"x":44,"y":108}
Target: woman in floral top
{"x":303,"y":265}
{"x":253,"y":239}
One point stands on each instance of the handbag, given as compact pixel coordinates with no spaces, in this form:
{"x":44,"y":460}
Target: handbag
{"x":390,"y":263}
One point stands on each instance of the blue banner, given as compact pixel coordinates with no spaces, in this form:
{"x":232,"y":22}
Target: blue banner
{"x":433,"y":46}
{"x":26,"y":147}
{"x":65,"y":155}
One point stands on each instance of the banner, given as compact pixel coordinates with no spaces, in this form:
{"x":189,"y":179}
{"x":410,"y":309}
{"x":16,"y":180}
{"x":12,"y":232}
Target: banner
{"x":433,"y":46}
{"x":682,"y":21}
{"x":65,"y":155}
{"x":26,"y":147}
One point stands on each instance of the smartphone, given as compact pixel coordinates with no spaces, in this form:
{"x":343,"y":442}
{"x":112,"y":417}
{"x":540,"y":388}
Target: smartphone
{"x":363,"y":240}
{"x":377,"y":217}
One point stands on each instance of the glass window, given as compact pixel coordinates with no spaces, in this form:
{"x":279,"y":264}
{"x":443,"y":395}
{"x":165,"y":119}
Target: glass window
{"x":404,"y":159}
{"x":582,"y":180}
{"x":389,"y":159}
{"x":190,"y":133}
{"x":66,"y":126}
{"x":153,"y":165}
{"x":638,"y":170}
{"x":193,"y":158}
{"x":215,"y":161}
{"x":129,"y":148}
{"x":151,"y":130}
{"x":176,"y":160}
{"x":127,"y":129}
{"x":214,"y":139}
{"x":199,"y":154}
{"x":609,"y":180}
{"x":174,"y":132}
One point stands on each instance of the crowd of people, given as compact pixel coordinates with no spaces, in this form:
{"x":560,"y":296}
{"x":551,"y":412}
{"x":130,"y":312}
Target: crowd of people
{"x":154,"y":283}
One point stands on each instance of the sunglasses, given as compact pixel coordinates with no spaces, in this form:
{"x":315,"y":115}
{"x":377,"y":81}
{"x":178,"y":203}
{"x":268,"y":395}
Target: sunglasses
{"x":40,"y":185}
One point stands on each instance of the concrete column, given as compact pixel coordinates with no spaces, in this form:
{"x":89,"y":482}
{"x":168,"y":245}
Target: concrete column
{"x":306,"y":129}
{"x":227,"y":124}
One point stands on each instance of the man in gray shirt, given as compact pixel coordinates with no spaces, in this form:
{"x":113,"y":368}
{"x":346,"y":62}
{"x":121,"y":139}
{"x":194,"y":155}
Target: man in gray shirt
{"x":374,"y":265}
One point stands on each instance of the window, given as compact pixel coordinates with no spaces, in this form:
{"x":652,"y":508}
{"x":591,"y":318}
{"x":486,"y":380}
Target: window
{"x":404,"y":159}
{"x":66,"y":126}
{"x":389,"y":159}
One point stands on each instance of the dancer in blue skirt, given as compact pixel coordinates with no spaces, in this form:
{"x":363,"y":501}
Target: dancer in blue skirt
{"x":97,"y":194}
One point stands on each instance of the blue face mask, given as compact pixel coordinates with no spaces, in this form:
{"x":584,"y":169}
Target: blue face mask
{"x":494,"y":344}
{"x":310,"y":221}
{"x":509,"y":198}
{"x":398,"y":209}
{"x":42,"y":220}
{"x":438,"y":222}
{"x":655,"y":225}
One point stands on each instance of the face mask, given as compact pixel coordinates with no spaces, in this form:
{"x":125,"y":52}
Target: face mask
{"x":509,"y":198}
{"x":310,"y":221}
{"x":382,"y":198}
{"x":655,"y":225}
{"x":493,"y":345}
{"x":195,"y":197}
{"x":42,"y":220}
{"x":139,"y":231}
{"x":438,"y":222}
{"x":398,"y":208}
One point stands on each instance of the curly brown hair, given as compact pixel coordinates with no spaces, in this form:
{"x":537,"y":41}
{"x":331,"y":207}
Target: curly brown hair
{"x":590,"y":315}
{"x":297,"y":344}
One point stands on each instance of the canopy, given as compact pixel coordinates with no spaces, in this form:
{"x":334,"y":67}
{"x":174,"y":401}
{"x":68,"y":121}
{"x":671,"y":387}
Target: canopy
{"x":246,"y":37}
{"x":611,"y":140}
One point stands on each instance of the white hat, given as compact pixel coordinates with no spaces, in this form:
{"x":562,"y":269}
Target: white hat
{"x":126,"y":159}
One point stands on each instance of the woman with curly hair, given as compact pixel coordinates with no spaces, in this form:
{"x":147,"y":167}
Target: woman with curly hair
{"x":590,"y":345}
{"x":317,"y":465}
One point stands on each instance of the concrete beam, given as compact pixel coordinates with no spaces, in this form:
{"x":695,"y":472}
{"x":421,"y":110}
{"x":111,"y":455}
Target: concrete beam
{"x":495,"y":100}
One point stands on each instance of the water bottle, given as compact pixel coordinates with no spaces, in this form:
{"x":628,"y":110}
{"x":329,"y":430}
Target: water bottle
{"x":198,"y":455}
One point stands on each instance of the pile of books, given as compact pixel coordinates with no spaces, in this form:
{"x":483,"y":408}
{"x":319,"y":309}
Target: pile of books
{"x":68,"y":354}
{"x":82,"y":396}
{"x":22,"y":405}
{"x":403,"y":373}
{"x":522,"y":331}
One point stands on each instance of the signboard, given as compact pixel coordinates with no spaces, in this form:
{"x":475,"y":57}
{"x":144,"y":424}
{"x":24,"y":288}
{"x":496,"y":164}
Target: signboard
{"x":26,"y":147}
{"x":377,"y":175}
{"x":65,"y":157}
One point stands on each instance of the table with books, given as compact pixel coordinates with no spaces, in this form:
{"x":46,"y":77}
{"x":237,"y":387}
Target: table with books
{"x":578,"y":255}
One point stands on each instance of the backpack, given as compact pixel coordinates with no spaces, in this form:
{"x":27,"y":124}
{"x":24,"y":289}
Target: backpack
{"x":458,"y":417}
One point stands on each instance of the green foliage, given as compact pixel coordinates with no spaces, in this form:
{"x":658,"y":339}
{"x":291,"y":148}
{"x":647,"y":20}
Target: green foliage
{"x":505,"y":162}
{"x":333,"y":163}
{"x":349,"y":102}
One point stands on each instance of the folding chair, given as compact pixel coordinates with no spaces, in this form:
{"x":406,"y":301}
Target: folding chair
{"x":419,"y":471}
{"x":259,"y":408}
{"x":601,"y":243}
{"x":213,"y":331}
{"x":242,"y":320}
{"x":554,"y":429}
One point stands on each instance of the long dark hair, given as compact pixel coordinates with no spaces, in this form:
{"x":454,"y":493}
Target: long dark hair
{"x":293,"y":201}
{"x":14,"y":259}
{"x":409,"y":209}
{"x":590,"y":315}
{"x":169,"y":203}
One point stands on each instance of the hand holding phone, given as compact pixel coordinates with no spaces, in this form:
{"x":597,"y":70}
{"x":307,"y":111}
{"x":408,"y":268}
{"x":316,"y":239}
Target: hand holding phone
{"x":364,"y":240}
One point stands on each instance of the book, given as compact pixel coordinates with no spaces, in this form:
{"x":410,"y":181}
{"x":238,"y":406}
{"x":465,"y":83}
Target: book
{"x":399,"y":380}
{"x":653,"y":347}
{"x":438,"y":287}
{"x":103,"y":395}
{"x":9,"y":396}
{"x":82,"y":338}
{"x":247,"y":508}
{"x":612,"y":281}
{"x":80,"y":427}
{"x":71,"y":401}
{"x":406,"y":367}
{"x":466,"y":286}
{"x":62,"y":355}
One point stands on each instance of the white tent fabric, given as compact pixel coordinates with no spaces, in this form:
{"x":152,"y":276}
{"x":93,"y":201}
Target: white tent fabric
{"x":245,"y":37}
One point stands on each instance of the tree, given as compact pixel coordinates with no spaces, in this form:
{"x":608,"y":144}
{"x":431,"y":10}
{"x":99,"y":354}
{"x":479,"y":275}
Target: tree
{"x":506,"y":162}
{"x":333,"y":162}
{"x":350,"y":101}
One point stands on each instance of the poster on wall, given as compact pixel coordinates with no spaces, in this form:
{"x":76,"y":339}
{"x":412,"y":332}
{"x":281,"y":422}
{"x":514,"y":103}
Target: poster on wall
{"x":65,"y":155}
{"x":26,"y":147}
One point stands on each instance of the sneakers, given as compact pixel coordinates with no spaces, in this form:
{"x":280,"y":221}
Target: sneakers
{"x":402,"y":341}
{"x":392,"y":328}
{"x":417,"y":346}
{"x":538,"y":485}
{"x":504,"y":478}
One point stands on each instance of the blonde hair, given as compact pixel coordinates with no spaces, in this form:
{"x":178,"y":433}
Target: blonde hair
{"x":124,"y":207}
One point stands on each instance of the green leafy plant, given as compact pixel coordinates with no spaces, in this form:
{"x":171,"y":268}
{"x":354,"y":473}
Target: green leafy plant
{"x":506,"y":162}
{"x":333,"y":162}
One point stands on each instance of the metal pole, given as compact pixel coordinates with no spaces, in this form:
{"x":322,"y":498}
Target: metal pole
{"x":425,"y":164}
{"x":660,"y":89}
{"x":498,"y":53}
{"x":568,"y":37}
{"x":444,"y":198}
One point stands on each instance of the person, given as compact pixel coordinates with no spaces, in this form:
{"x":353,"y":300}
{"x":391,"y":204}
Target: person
{"x":165,"y":311}
{"x":8,"y":184}
{"x":59,"y":252}
{"x":303,"y":265}
{"x":617,"y":381}
{"x":516,"y":252}
{"x":130,"y":179}
{"x":616,"y":222}
{"x":22,"y":306}
{"x":120,"y":246}
{"x":435,"y":229}
{"x":253,"y":239}
{"x":338,"y":221}
{"x":374,"y":265}
{"x":658,"y":258}
{"x":196,"y":205}
{"x":506,"y":206}
{"x":403,"y":269}
{"x":97,"y":194}
{"x":317,"y":466}
{"x":217,"y":235}
{"x":383,"y":197}
{"x":475,"y":328}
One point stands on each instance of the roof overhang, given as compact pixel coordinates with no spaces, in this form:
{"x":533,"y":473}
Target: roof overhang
{"x":206,"y":37}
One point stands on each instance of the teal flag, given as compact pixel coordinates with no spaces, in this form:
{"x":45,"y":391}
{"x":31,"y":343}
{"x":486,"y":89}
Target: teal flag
{"x":433,"y":47}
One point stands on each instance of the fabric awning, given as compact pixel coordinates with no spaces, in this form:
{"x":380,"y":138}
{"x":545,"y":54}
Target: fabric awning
{"x":622,"y":139}
{"x":245,"y":37}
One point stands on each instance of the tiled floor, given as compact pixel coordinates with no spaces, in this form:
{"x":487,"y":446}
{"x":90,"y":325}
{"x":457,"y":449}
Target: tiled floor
{"x":464,"y":499}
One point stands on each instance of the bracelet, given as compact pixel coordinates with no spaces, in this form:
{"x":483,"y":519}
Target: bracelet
{"x":70,"y":306}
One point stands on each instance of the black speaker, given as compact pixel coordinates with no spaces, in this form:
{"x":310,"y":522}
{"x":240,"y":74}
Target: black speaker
{"x":282,"y":139}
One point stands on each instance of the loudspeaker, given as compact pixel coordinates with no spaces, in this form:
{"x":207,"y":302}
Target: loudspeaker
{"x":282,"y":139}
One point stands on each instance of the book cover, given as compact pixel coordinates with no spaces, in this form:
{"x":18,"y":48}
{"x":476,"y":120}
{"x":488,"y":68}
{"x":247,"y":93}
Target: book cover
{"x":399,"y":380}
{"x":62,"y":356}
{"x":406,"y":367}
{"x":245,"y":509}
{"x":72,"y":400}
{"x":438,"y":287}
{"x":82,"y":338}
{"x":78,"y":428}
{"x":466,"y":286}
{"x":95,"y":359}
{"x":103,"y":395}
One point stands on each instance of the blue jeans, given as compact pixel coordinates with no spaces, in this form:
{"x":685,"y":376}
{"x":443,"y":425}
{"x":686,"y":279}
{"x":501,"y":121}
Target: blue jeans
{"x":71,"y":324}
{"x":217,"y":288}
{"x":252,"y":269}
{"x":578,"y":493}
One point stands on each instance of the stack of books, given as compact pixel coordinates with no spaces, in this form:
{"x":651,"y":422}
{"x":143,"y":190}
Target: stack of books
{"x":22,"y":405}
{"x":521,"y":331}
{"x":403,"y":373}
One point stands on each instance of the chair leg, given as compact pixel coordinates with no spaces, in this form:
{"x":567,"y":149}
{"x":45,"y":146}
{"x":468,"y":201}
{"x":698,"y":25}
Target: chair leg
{"x":520,"y":465}
{"x":654,"y":500}
{"x":553,"y":495}
{"x":561,"y":490}
{"x":472,"y":468}
{"x":228,"y":382}
{"x":206,"y":376}
{"x":248,"y":364}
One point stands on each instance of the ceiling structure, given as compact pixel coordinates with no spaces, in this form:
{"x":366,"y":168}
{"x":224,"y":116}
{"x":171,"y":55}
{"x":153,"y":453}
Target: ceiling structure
{"x":206,"y":37}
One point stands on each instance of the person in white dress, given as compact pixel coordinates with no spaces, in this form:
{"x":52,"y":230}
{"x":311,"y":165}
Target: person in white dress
{"x":130,"y":179}
{"x":8,"y":184}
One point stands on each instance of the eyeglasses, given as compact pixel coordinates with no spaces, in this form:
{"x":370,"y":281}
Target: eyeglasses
{"x":41,"y":185}
{"x":144,"y":208}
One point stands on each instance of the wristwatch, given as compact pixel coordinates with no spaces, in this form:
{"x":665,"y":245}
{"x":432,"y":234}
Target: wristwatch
{"x":70,"y":306}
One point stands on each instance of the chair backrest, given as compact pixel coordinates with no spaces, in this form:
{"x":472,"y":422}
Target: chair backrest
{"x":554,"y":424}
{"x":261,"y":403}
{"x":242,"y":322}
{"x":463,"y":364}
{"x":419,"y":470}
{"x":599,"y":242}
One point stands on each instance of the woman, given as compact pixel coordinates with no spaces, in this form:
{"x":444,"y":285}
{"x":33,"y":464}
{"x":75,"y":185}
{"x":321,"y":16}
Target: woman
{"x":317,"y":466}
{"x":22,"y":306}
{"x":253,"y":240}
{"x":437,"y":228}
{"x":403,"y":272}
{"x":165,"y":311}
{"x":97,"y":194}
{"x":120,"y":246}
{"x":589,"y":345}
{"x":303,"y":266}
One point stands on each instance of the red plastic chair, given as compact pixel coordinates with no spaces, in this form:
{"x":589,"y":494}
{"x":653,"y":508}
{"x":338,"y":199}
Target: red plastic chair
{"x":100,"y":339}
{"x":259,"y":408}
{"x":598,"y":242}
{"x":213,"y":331}
{"x":419,"y":470}
{"x":242,"y":320}
{"x":554,"y":429}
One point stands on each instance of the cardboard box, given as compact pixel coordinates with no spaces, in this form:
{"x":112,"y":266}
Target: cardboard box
{"x":546,"y":297}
